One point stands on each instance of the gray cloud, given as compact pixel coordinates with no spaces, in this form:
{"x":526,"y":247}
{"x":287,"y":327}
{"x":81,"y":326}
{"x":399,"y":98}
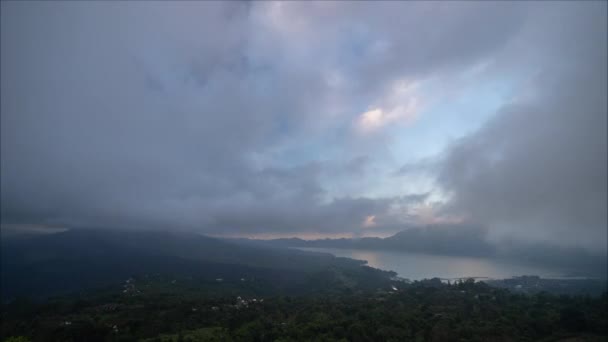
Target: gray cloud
{"x":213,"y":116}
{"x":421,"y":166}
{"x":537,"y":170}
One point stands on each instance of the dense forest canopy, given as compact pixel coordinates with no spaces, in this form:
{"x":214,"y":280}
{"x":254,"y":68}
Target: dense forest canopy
{"x":162,"y":309}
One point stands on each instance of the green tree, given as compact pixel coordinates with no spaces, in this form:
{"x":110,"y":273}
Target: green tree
{"x":17,"y":339}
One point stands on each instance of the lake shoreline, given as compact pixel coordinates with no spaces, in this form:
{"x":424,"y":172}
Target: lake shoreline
{"x":418,"y":266}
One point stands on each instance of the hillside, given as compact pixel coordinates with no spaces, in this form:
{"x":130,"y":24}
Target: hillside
{"x":157,"y":309}
{"x":80,"y":260}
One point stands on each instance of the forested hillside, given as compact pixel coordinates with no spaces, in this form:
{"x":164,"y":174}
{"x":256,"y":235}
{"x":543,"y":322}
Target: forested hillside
{"x":158,"y":309}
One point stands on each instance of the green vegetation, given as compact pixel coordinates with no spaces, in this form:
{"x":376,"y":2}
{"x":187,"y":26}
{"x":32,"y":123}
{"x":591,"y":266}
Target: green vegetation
{"x":74,"y":261}
{"x":160,"y":310}
{"x":156,"y":286}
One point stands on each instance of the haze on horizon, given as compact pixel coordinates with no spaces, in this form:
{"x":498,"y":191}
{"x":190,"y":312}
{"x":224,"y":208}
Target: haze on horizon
{"x":310,"y":119}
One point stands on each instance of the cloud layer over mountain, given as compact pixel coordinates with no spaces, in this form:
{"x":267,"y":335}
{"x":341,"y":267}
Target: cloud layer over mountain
{"x":331,"y":118}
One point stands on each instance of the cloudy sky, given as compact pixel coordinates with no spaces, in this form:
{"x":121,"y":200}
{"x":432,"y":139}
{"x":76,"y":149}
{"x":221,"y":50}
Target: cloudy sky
{"x":311,"y":119}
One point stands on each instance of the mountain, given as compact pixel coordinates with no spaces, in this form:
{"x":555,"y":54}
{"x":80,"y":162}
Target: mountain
{"x":78,"y":260}
{"x":461,"y":241}
{"x":456,"y":240}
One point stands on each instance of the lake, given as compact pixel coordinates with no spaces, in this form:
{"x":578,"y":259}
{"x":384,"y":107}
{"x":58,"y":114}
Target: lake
{"x":416,"y":266}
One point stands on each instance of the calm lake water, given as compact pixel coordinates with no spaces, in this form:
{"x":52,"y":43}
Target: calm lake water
{"x":419,"y":266}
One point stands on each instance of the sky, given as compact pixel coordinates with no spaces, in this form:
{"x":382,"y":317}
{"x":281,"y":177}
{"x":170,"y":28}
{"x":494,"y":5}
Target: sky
{"x":310,"y":119}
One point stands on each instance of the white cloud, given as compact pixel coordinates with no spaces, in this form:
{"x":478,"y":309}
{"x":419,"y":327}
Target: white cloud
{"x":369,"y":221}
{"x":400,"y":106}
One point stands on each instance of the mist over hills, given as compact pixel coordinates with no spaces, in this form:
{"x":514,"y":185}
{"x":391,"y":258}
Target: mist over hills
{"x":82,"y":259}
{"x":100,"y":285}
{"x":460,"y":241}
{"x":42,"y":265}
